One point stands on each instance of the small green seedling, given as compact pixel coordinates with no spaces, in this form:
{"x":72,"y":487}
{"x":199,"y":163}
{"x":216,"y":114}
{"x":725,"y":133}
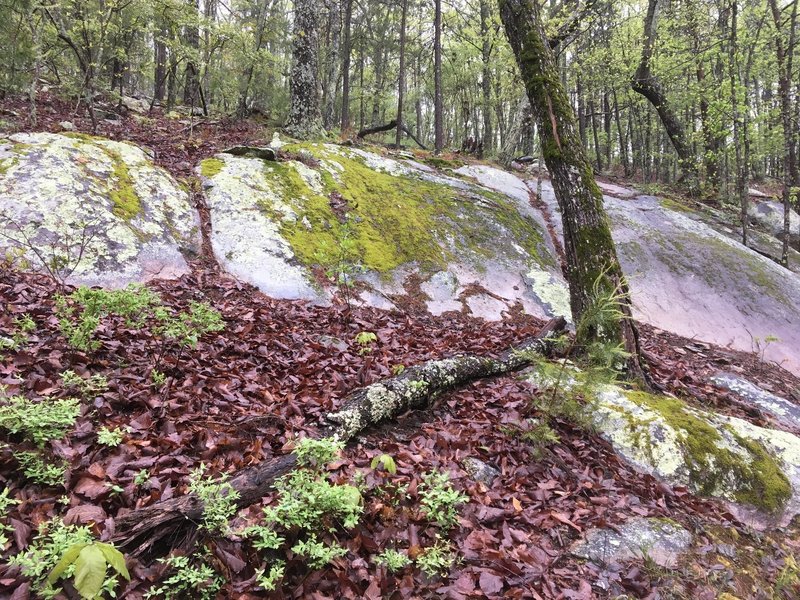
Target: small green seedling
{"x":91,"y":561}
{"x":365,"y":339}
{"x":386,"y":462}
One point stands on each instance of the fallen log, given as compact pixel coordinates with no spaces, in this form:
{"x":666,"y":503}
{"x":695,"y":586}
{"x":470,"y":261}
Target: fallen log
{"x":388,"y":127}
{"x":147,"y":531}
{"x":252,"y":152}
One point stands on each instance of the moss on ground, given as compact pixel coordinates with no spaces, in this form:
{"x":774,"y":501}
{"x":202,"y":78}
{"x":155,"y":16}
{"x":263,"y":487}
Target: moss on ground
{"x":442,"y":163}
{"x":211,"y":166}
{"x":390,"y":220}
{"x":757,"y":481}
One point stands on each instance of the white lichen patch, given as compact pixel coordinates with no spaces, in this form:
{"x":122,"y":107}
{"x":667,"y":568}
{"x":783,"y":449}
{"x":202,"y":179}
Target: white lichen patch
{"x":382,"y":402}
{"x":552,"y":291}
{"x":64,"y":195}
{"x":246,"y":241}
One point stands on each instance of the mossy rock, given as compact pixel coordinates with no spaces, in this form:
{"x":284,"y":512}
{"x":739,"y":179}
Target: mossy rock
{"x":756,"y":470}
{"x":96,"y":211}
{"x":350,"y":212}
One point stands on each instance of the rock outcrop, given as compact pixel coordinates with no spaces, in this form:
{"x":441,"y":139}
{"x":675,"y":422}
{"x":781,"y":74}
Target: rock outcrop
{"x":385,"y":226}
{"x":92,"y":210}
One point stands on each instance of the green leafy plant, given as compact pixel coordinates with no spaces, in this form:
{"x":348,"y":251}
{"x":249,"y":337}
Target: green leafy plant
{"x":269,"y":581}
{"x":51,"y":545}
{"x":5,"y":504}
{"x":110,"y":437}
{"x":197,"y":580}
{"x":35,"y":468}
{"x":157,"y":378}
{"x":89,"y":564}
{"x":142,"y":477}
{"x":317,"y":554}
{"x":393,"y":560}
{"x":342,"y":263}
{"x":437,"y":559}
{"x":365,"y":339}
{"x":315,"y":454}
{"x":40,"y":421}
{"x":398,"y":369}
{"x":218,"y":497}
{"x":23,"y":325}
{"x":96,"y":384}
{"x":386,"y":462}
{"x":439,"y":499}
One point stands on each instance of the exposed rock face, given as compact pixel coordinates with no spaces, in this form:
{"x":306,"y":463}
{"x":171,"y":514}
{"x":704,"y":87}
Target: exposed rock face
{"x":769,"y":214}
{"x":786,"y":413}
{"x":96,"y":205}
{"x":688,"y":278}
{"x":660,"y":540}
{"x":754,"y":469}
{"x":394,"y":226}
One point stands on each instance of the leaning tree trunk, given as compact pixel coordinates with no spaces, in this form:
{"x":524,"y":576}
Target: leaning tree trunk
{"x":163,"y":525}
{"x":305,"y":117}
{"x":593,"y":269}
{"x":649,"y":86}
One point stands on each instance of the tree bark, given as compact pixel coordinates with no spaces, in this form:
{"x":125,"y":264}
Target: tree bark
{"x":486,"y":77}
{"x":438,"y":110}
{"x":593,"y":270}
{"x":347,"y":49}
{"x":192,"y":83}
{"x":161,"y":526}
{"x":401,"y":79}
{"x":305,"y":117}
{"x":649,"y":86}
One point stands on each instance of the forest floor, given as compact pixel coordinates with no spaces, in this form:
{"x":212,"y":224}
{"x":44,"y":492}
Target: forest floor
{"x":279,"y":366}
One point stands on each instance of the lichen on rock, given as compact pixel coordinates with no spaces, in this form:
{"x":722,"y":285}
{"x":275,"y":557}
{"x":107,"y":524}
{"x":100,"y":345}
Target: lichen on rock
{"x":77,"y":196}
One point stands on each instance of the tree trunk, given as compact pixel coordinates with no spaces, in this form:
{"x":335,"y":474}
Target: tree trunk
{"x":161,"y":526}
{"x":733,"y":78}
{"x":486,"y":78}
{"x":593,"y":270}
{"x":646,"y":84}
{"x":191,"y":85}
{"x":401,"y":80}
{"x":438,"y":111}
{"x":160,"y":72}
{"x":783,"y":54}
{"x":305,"y":118}
{"x":346,"y":51}
{"x":332,"y":64}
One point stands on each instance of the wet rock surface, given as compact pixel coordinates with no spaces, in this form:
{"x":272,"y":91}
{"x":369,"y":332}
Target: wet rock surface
{"x":660,"y":540}
{"x":787,"y":413}
{"x":95,"y":211}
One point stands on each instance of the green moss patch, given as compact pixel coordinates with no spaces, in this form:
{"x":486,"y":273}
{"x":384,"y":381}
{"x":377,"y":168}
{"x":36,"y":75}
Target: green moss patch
{"x":757,"y":481}
{"x":211,"y":166}
{"x":388,"y":220}
{"x":442,"y":163}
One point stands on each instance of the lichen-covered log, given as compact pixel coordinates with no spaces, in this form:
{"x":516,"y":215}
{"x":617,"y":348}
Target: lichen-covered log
{"x":418,"y":385}
{"x":164,"y":525}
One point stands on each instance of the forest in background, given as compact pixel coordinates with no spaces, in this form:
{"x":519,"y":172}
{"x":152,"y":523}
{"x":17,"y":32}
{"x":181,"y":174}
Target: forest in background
{"x":726,"y":71}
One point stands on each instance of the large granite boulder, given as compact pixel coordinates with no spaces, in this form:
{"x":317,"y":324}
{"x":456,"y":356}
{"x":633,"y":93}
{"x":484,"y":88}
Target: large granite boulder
{"x":755,"y":470}
{"x":769,"y":215}
{"x":392,"y":227}
{"x":92,"y":210}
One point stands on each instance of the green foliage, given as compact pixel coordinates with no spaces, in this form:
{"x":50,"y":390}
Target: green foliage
{"x":23,"y":326}
{"x":437,"y":559}
{"x":439,"y":499}
{"x":5,"y":504}
{"x":96,"y":384}
{"x":157,"y":378}
{"x":53,"y":551}
{"x":40,"y":421}
{"x":365,"y":339}
{"x":393,"y":560}
{"x":187,"y":580}
{"x":142,"y":477}
{"x":269,"y":581}
{"x":89,"y":563}
{"x":317,"y":554}
{"x":80,"y":314}
{"x":218,"y":497}
{"x":35,"y":468}
{"x":317,"y":453}
{"x":386,"y":462}
{"x":397,"y":369}
{"x":110,"y":437}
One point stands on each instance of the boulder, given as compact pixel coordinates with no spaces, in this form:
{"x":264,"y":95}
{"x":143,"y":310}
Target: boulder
{"x":383,"y":225}
{"x":754,"y":470}
{"x":786,"y":413}
{"x":769,"y":215}
{"x":92,"y":210}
